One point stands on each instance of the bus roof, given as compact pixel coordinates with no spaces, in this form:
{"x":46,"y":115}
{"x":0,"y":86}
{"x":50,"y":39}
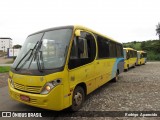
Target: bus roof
{"x":141,"y":51}
{"x":75,"y":27}
{"x":88,"y":29}
{"x":129,"y":49}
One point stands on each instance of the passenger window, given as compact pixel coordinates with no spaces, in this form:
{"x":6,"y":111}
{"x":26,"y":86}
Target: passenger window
{"x":112,"y":48}
{"x":119,"y":50}
{"x":83,"y":50}
{"x":103,"y":47}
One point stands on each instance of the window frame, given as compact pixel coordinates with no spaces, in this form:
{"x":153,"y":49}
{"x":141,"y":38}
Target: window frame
{"x":103,"y":39}
{"x":80,"y":59}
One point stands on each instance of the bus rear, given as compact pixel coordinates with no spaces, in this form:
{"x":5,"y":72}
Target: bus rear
{"x":130,"y":56}
{"x":141,"y":57}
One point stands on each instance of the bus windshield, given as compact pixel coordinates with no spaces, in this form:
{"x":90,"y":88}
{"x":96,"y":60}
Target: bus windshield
{"x":48,"y":48}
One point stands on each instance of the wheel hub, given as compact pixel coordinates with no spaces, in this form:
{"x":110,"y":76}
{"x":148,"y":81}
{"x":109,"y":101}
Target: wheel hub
{"x":78,"y":98}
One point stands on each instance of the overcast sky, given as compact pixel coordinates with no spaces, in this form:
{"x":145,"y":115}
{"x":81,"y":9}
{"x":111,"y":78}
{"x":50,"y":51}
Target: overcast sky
{"x":123,"y":20}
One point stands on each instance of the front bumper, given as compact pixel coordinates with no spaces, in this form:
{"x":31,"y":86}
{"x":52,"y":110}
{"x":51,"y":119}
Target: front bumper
{"x":51,"y":101}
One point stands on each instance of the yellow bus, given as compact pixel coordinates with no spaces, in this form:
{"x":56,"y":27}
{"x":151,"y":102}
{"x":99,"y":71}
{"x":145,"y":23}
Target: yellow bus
{"x":56,"y":68}
{"x":141,"y":57}
{"x":130,"y":56}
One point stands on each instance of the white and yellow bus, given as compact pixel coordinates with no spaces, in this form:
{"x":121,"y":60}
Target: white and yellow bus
{"x":130,"y":56}
{"x":56,"y":68}
{"x":141,"y":57}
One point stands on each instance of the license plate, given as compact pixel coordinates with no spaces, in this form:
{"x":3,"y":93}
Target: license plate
{"x":24,"y":98}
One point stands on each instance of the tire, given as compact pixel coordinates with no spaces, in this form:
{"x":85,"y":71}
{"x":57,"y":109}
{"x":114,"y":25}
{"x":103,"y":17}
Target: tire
{"x":126,"y":69}
{"x":77,"y":98}
{"x":134,"y":65}
{"x":115,"y":79}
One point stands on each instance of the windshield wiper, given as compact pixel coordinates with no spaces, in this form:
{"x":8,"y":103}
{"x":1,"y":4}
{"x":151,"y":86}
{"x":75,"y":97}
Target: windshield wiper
{"x":25,"y":57}
{"x":40,"y":63}
{"x":22,"y":59}
{"x":34,"y":57}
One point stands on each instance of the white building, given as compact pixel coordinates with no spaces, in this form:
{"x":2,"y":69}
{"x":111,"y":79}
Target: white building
{"x":5,"y":43}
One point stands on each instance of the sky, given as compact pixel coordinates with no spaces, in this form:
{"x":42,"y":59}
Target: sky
{"x":122,"y":20}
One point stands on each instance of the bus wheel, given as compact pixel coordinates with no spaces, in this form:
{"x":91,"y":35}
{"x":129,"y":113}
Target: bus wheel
{"x":126,"y":69}
{"x":134,"y":65}
{"x":77,"y":98}
{"x":115,"y":79}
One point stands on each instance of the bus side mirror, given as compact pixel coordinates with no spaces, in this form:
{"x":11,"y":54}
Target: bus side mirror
{"x":80,"y":41}
{"x":77,"y":33}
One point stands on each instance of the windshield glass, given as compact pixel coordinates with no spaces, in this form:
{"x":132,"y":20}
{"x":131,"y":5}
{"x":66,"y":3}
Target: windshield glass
{"x":138,"y":54}
{"x":53,"y":49}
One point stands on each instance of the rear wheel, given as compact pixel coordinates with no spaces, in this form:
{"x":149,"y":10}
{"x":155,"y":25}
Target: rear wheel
{"x":77,"y":98}
{"x":116,"y":78}
{"x":134,"y":65}
{"x":126,"y":68}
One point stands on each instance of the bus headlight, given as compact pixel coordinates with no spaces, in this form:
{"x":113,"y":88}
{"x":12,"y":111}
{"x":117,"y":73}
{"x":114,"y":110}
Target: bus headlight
{"x":11,"y":82}
{"x":50,"y":85}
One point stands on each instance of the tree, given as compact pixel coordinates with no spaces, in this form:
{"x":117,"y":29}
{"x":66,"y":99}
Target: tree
{"x":17,"y":46}
{"x":158,"y":30}
{"x":143,"y":45}
{"x":134,"y":42}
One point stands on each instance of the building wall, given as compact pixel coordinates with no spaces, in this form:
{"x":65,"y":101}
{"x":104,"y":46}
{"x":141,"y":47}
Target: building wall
{"x":5,"y":43}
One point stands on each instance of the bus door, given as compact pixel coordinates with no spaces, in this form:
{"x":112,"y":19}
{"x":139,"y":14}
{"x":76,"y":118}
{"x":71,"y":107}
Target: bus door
{"x":81,"y":61}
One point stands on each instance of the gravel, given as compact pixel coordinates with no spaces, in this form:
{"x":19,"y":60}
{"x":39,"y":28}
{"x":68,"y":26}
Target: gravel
{"x":136,"y":90}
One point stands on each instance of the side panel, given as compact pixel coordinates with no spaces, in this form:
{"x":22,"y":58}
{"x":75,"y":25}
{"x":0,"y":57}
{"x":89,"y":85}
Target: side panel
{"x":118,"y":65}
{"x":132,"y":61}
{"x":103,"y":69}
{"x":84,"y":74}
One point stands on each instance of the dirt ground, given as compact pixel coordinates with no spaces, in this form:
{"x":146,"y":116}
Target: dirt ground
{"x":4,"y":60}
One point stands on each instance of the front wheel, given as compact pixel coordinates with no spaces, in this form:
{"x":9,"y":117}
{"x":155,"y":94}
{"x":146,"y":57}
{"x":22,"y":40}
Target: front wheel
{"x":77,"y":98}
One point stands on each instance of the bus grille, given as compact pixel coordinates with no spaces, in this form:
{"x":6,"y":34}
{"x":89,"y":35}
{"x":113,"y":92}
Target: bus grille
{"x":31,"y":89}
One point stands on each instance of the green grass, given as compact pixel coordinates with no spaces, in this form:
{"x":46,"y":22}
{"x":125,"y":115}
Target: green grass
{"x":4,"y":69}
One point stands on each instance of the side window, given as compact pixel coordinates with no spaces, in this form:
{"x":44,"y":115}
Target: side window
{"x":131,"y":53}
{"x":128,"y":54}
{"x":112,"y":49}
{"x":119,"y":50}
{"x":83,"y":50}
{"x":103,"y":47}
{"x":135,"y":53}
